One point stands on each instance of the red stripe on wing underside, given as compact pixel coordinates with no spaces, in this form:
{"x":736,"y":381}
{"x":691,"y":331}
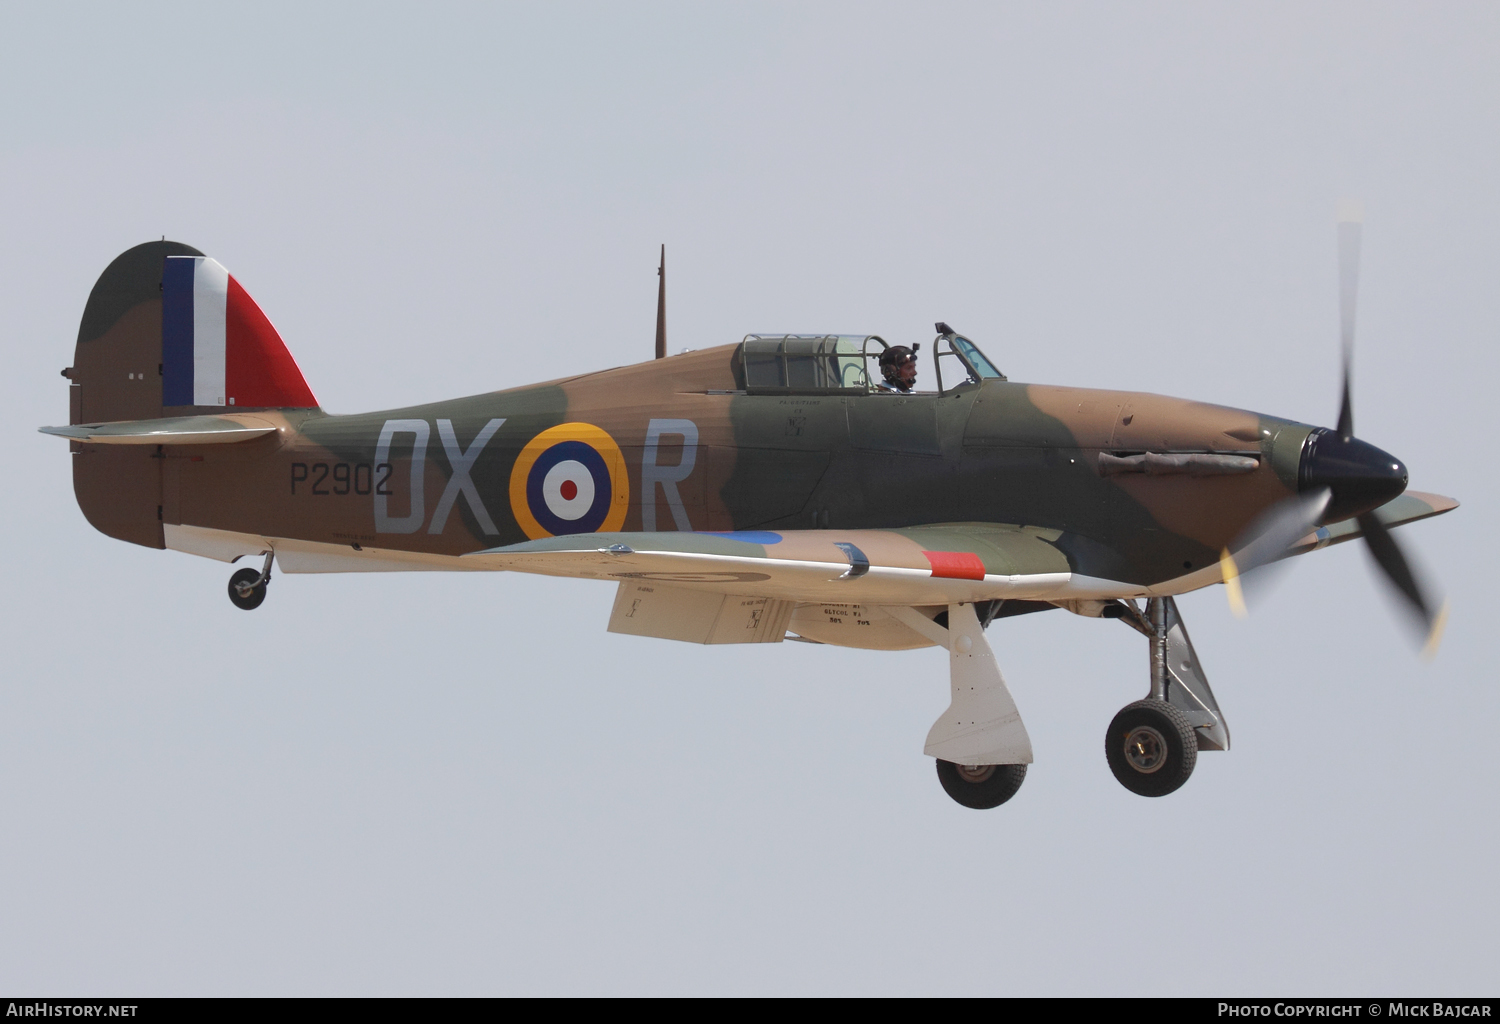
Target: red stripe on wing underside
{"x":955,"y":565}
{"x":258,"y":369}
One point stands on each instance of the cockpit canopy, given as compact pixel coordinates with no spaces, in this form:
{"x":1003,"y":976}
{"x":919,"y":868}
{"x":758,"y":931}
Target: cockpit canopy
{"x":802,"y":364}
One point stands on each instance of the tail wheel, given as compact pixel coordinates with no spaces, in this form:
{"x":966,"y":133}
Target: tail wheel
{"x":1151,"y":748}
{"x":243,"y":593}
{"x":981,"y":786}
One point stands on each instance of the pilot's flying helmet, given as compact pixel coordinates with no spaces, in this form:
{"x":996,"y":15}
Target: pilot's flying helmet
{"x":893,"y":358}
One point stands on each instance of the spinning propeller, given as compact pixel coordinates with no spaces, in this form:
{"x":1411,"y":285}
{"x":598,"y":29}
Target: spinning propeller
{"x":1340,"y":475}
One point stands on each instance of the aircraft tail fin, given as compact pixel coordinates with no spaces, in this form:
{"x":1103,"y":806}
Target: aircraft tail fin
{"x":168,"y":332}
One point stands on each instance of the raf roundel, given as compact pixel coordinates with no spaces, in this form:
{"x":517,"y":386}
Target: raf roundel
{"x":569,"y":479}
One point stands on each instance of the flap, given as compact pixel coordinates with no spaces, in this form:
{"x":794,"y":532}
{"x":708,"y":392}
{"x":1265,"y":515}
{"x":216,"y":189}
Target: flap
{"x":172,"y":430}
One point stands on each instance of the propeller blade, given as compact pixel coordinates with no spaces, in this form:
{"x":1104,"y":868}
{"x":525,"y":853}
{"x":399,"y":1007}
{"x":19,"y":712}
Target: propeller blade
{"x":1351,"y":218}
{"x":1346,"y":406}
{"x":1387,"y":554}
{"x":1268,"y":539}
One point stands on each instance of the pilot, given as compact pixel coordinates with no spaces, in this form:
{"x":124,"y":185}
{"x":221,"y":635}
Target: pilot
{"x":898,"y":364}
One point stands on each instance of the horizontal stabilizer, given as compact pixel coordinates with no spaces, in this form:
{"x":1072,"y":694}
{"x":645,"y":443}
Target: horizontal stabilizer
{"x":172,"y":430}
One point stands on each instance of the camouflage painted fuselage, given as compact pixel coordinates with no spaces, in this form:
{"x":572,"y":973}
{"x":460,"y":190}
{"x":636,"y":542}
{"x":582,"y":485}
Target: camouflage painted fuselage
{"x":671,"y":444}
{"x":697,"y":456}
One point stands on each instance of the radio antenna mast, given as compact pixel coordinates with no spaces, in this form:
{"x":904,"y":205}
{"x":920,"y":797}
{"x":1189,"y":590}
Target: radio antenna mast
{"x":661,"y":306}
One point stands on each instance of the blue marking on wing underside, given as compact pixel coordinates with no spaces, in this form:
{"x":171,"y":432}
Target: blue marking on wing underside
{"x":762,"y":537}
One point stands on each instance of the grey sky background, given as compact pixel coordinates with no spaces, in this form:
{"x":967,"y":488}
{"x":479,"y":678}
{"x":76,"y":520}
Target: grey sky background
{"x":432,"y":783}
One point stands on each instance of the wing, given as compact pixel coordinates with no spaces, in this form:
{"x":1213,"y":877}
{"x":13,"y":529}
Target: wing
{"x":1408,"y":508}
{"x":927,"y":565}
{"x":923,"y":565}
{"x":854,"y":588}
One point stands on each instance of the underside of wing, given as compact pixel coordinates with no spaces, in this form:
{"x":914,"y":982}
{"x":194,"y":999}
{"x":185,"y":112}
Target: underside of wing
{"x":930,"y":565}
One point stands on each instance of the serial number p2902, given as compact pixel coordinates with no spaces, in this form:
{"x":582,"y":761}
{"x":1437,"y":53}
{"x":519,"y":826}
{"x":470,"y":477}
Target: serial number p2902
{"x":323,"y":478}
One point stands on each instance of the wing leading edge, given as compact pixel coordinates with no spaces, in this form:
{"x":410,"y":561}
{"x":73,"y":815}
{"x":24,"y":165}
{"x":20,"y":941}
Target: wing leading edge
{"x":925,"y":565}
{"x":959,"y":562}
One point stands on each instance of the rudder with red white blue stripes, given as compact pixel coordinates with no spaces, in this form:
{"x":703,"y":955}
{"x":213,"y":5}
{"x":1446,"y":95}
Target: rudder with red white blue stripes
{"x":218,"y":349}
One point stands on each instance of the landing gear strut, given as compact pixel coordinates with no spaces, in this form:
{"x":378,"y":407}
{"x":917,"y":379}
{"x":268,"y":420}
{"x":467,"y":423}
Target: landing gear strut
{"x":247,"y":588}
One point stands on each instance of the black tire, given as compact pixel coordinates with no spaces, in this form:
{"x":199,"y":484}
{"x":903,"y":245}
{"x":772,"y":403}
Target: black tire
{"x":252,"y":600}
{"x":981,"y":786}
{"x":1151,"y":748}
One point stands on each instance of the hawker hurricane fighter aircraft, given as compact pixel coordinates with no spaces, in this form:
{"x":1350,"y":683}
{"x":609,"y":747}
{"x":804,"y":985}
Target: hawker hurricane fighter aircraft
{"x":773,"y":489}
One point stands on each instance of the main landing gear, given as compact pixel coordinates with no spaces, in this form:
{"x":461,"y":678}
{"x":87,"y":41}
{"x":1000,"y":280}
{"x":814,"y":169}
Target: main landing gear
{"x":981,"y":747}
{"x":1152,"y":745}
{"x":247,"y":588}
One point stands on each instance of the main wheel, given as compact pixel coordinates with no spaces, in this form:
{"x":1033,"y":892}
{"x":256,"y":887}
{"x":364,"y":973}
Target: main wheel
{"x":980,"y":786}
{"x":1151,"y":748}
{"x":241,"y":581}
